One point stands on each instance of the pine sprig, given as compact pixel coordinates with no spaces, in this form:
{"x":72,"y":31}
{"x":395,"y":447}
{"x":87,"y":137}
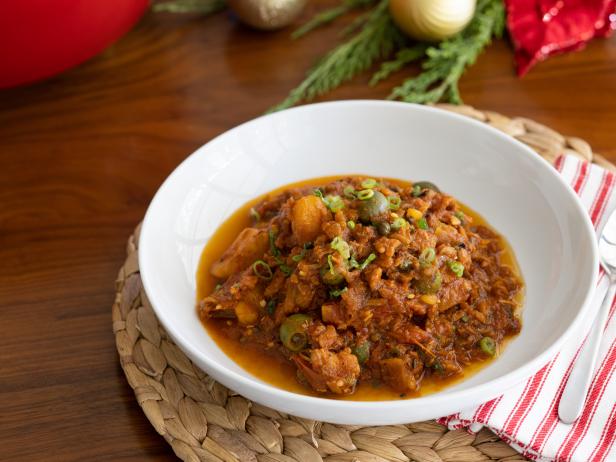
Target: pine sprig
{"x":377,"y":39}
{"x":325,"y":17}
{"x":189,"y":6}
{"x":402,"y":58}
{"x":447,"y":62}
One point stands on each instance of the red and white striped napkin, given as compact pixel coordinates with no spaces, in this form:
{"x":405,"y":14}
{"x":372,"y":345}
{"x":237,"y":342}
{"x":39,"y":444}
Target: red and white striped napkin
{"x":526,"y":416}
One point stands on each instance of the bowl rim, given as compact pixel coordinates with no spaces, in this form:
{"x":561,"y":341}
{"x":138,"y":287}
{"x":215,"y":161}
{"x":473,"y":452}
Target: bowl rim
{"x":501,"y":383}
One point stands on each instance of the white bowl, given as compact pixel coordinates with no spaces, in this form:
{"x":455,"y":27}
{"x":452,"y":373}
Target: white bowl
{"x":519,"y":193}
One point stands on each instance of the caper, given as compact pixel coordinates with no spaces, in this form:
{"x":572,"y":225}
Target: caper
{"x":372,"y":208}
{"x":293,"y":331}
{"x":331,"y":277}
{"x":362,"y":351}
{"x":429,"y":285}
{"x":383,"y":228}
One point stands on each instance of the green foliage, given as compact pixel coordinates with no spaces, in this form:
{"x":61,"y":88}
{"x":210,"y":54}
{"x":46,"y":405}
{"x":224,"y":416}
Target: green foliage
{"x":447,"y":61}
{"x":378,"y":37}
{"x":325,"y":17}
{"x":376,"y":40}
{"x":402,"y":58}
{"x":189,"y":6}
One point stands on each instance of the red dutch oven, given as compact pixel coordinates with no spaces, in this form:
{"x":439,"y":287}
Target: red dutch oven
{"x":40,"y":38}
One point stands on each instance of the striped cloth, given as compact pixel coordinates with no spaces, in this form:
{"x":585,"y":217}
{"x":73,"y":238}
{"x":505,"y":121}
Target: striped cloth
{"x":526,"y":417}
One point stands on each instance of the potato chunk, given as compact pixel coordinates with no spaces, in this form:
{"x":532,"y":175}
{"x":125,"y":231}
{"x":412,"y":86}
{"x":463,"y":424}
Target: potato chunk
{"x":246,"y":314}
{"x":249,"y":246}
{"x":307,"y":216}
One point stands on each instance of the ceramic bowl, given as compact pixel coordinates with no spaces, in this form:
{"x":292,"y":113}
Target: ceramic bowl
{"x":518,"y":192}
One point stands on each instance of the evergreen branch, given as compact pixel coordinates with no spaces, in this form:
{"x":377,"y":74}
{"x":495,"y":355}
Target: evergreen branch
{"x":325,"y":17}
{"x":447,"y":62}
{"x":189,"y":6}
{"x":357,"y":23}
{"x":377,"y":39}
{"x":402,"y":58}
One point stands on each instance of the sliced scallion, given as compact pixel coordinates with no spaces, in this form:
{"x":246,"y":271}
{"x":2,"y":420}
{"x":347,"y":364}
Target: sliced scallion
{"x":365,"y":194}
{"x":368,"y":183}
{"x":262,"y":270}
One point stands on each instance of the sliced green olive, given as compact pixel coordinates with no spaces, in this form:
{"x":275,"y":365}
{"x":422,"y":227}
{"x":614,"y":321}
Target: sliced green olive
{"x":429,"y":285}
{"x":426,"y":185}
{"x":362,"y":351}
{"x":488,"y":346}
{"x":377,"y":205}
{"x":293,"y":331}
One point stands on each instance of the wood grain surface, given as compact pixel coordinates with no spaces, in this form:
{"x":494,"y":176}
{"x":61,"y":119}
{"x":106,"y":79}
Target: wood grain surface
{"x":82,"y":154}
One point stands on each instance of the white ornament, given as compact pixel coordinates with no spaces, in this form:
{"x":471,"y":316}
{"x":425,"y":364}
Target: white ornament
{"x":432,"y":20}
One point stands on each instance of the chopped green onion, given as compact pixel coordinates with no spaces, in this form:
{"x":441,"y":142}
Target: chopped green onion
{"x":218,"y":286}
{"x":398,"y":223}
{"x":394,"y":202}
{"x":286,"y":270}
{"x":351,"y":224}
{"x":254,"y":214}
{"x":416,"y":191}
{"x":300,"y":256}
{"x":349,"y":192}
{"x":456,"y":267}
{"x":437,"y":366}
{"x":317,"y":192}
{"x":368,"y":183}
{"x":330,"y":263}
{"x":427,"y":256}
{"x":488,"y":346}
{"x":365,"y":194}
{"x":464,"y":318}
{"x":422,"y":223}
{"x":262,"y":270}
{"x":337,"y":293}
{"x":362,"y":351}
{"x":459,"y":214}
{"x":369,"y":259}
{"x":272,"y":242}
{"x":271,"y":307}
{"x":341,"y":246}
{"x":334,"y":203}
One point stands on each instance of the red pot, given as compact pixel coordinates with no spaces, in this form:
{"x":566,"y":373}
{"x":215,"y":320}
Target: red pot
{"x":40,"y":38}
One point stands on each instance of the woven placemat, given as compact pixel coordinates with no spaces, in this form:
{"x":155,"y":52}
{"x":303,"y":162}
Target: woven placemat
{"x":204,"y":421}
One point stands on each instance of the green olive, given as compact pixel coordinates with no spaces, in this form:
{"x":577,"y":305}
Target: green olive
{"x":429,"y":285}
{"x":293,"y":331}
{"x":331,"y":278}
{"x":362,"y":351}
{"x":374,"y":207}
{"x":383,"y":228}
{"x":427,"y":185}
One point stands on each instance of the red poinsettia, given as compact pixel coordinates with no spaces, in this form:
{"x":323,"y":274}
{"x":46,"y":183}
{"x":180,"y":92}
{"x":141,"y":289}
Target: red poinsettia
{"x":540,"y":28}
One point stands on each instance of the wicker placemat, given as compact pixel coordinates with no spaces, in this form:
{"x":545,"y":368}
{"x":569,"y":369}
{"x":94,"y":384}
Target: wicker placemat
{"x":204,"y":421}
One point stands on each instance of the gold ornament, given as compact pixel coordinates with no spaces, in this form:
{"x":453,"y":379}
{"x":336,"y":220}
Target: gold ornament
{"x":431,"y":20}
{"x":267,"y":14}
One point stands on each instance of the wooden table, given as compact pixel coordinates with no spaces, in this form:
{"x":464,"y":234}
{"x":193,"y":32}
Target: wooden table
{"x":82,"y":154}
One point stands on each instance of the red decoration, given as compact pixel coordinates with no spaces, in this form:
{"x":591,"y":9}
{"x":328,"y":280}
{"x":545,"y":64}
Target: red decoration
{"x":540,"y":28}
{"x":39,"y":38}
